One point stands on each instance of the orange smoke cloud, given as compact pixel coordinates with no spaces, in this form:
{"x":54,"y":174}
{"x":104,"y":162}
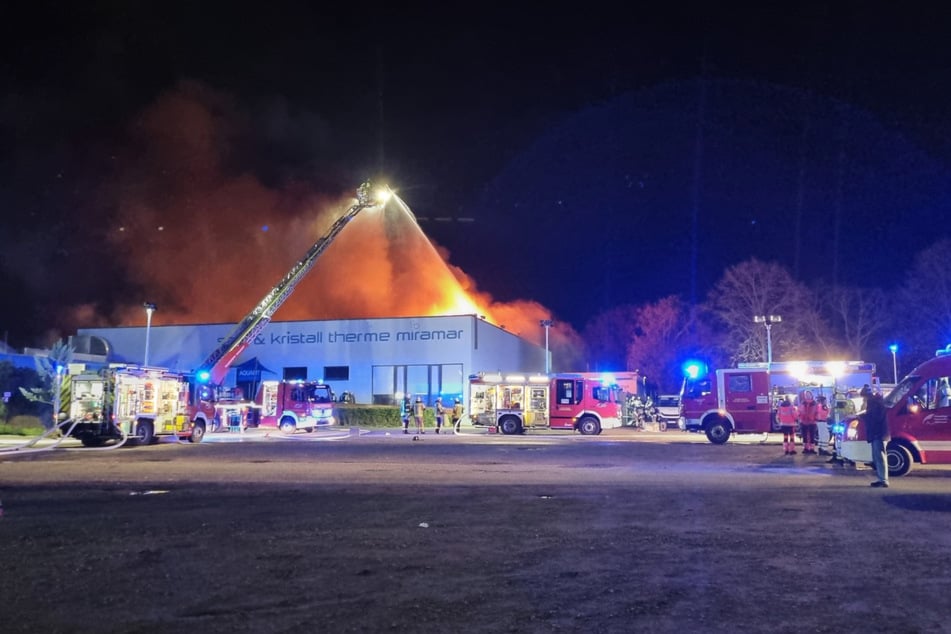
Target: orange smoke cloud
{"x":205,"y":244}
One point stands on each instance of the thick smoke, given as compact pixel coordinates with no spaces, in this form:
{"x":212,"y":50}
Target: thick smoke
{"x":201,"y":235}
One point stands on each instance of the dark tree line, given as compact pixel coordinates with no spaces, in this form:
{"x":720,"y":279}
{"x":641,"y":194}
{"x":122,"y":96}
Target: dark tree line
{"x":819,"y":322}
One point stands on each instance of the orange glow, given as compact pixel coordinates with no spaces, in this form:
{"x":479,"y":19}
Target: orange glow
{"x":227,"y":238}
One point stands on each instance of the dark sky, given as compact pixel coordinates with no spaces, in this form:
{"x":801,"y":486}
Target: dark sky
{"x":568,"y":132}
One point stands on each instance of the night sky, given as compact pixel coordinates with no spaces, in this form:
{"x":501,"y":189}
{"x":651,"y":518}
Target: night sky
{"x":577,"y":156}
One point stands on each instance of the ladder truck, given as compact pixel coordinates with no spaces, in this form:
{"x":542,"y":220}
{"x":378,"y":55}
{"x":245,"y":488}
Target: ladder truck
{"x":290,"y":414}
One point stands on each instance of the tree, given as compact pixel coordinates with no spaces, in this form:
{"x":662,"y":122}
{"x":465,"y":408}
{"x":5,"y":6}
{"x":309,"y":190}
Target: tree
{"x":49,"y":369}
{"x":754,"y":288}
{"x":607,"y":337}
{"x":857,"y":316}
{"x":923,"y":303}
{"x":667,"y":332}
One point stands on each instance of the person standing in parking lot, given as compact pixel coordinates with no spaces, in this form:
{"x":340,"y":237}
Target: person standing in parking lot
{"x":808,"y":415}
{"x":787,"y":415}
{"x":419,"y":413}
{"x":876,"y":433}
{"x":441,"y":411}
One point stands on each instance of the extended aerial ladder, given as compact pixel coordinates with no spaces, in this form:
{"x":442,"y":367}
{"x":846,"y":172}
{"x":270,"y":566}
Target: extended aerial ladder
{"x":214,"y":369}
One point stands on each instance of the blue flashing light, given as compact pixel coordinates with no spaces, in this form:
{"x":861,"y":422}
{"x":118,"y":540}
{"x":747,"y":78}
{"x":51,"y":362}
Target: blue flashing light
{"x":203,"y":376}
{"x":943,"y":351}
{"x":694,"y":369}
{"x":608,"y":379}
{"x":893,"y":348}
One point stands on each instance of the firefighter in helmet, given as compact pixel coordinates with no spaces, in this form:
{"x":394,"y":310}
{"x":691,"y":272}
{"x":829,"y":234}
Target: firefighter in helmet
{"x":441,"y":411}
{"x":456,"y":412}
{"x":406,"y":412}
{"x":419,"y":411}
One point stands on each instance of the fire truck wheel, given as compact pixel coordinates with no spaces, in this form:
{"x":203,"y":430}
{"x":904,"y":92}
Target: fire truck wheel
{"x":92,"y":441}
{"x":144,"y":432}
{"x":198,"y":433}
{"x":288,"y":426}
{"x":718,"y":432}
{"x":309,"y":430}
{"x":510,"y":425}
{"x":589,"y":426}
{"x":898,"y":459}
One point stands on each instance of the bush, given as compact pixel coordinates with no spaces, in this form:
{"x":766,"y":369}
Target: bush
{"x":377,"y":416}
{"x":22,"y":426}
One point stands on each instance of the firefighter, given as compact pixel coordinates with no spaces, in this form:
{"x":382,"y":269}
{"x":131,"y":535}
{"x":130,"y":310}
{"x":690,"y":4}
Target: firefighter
{"x":808,"y":417}
{"x":419,"y":411}
{"x":406,"y":411}
{"x":440,"y":413}
{"x":786,"y":416}
{"x":456,"y":412}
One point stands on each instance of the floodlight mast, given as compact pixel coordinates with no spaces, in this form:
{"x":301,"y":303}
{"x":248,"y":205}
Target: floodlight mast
{"x":215,"y":367}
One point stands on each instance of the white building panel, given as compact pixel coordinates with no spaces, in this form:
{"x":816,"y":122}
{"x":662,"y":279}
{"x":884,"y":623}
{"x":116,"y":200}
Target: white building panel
{"x":375,"y":359}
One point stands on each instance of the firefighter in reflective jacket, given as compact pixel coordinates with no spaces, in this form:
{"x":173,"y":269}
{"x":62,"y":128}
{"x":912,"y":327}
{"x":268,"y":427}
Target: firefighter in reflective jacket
{"x":441,"y":412}
{"x":419,"y":411}
{"x":406,"y":411}
{"x":787,"y":415}
{"x":456,"y":412}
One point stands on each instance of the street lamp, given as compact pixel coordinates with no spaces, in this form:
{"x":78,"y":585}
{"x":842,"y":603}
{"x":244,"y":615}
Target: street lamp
{"x":546,"y":324}
{"x":894,"y":349}
{"x":149,"y":309}
{"x":768,"y":321}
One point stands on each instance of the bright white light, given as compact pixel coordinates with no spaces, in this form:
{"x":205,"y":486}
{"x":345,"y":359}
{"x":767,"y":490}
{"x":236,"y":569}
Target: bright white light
{"x":383,"y":195}
{"x":515,"y":378}
{"x":835,"y":368}
{"x":799,"y":369}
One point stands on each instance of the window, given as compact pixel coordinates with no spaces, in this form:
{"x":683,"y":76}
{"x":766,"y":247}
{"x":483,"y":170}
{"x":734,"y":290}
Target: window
{"x":295,"y":374}
{"x":336,"y":373}
{"x":740,"y":383}
{"x":567,"y":392}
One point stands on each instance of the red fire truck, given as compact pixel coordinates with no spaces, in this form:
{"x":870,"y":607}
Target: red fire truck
{"x":286,"y":405}
{"x":919,"y":420}
{"x":515,"y":403}
{"x":289,"y":405}
{"x":126,"y":401}
{"x":744,"y":400}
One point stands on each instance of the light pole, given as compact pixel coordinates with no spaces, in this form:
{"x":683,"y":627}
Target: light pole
{"x":546,"y":324}
{"x":768,"y":321}
{"x":894,"y":349}
{"x":149,"y":309}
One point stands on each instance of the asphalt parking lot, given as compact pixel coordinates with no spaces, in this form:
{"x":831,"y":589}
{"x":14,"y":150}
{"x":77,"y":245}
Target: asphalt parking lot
{"x":347,"y":531}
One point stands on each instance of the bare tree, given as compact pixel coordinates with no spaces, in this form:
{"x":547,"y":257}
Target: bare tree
{"x":754,"y":288}
{"x":857,"y":315}
{"x":607,"y":337}
{"x":923,"y":306}
{"x":667,"y":333}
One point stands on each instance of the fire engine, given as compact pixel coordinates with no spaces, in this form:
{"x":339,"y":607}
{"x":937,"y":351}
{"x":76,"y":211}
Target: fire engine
{"x":289,"y":405}
{"x":515,"y":403}
{"x":919,"y":420}
{"x":127,"y":401}
{"x":744,"y":400}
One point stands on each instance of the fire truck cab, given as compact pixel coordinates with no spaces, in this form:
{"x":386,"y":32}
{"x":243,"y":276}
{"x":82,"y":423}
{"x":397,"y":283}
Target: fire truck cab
{"x":515,"y":403}
{"x":293,"y":405}
{"x":919,"y":420}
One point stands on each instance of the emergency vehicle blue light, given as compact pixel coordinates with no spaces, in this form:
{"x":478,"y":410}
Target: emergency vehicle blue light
{"x":694,"y":369}
{"x":608,"y":379}
{"x":943,"y":351}
{"x":203,"y":376}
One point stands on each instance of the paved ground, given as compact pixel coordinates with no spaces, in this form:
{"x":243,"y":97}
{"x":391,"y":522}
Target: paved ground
{"x":629,"y":531}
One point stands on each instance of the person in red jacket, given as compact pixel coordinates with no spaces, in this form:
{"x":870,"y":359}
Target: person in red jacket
{"x":808,"y":422}
{"x":787,"y":415}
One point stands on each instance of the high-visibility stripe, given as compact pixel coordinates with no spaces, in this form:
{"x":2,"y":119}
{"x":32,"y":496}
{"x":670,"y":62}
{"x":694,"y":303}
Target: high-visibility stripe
{"x":65,"y":389}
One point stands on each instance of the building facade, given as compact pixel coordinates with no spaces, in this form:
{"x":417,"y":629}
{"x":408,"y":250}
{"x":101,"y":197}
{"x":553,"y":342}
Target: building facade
{"x":376,"y":360}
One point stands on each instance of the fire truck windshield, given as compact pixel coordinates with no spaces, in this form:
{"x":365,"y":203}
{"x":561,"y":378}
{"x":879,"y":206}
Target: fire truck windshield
{"x":317,"y":393}
{"x":900,"y":390}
